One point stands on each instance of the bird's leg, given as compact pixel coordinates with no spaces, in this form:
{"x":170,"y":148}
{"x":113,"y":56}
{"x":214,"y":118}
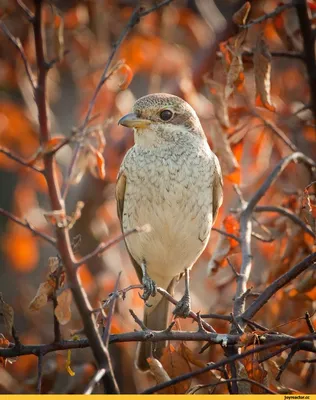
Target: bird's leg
{"x":150,"y":287}
{"x":184,"y":305}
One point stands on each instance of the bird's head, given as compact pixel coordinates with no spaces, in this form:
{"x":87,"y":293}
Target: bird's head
{"x":162,"y":118}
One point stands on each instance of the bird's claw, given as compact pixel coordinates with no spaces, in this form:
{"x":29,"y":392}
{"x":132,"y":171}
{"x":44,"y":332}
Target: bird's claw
{"x":183,"y":307}
{"x":150,"y":288}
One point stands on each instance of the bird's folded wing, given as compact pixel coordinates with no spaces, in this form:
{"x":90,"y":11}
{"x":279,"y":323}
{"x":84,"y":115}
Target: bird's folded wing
{"x":120,"y":194}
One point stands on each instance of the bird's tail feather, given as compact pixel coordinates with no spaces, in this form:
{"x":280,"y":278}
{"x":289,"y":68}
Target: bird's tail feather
{"x":156,"y":320}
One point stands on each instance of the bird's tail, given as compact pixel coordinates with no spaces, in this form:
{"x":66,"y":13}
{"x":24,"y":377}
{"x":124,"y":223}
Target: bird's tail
{"x":156,"y":320}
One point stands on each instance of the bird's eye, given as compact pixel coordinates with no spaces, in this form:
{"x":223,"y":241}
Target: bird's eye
{"x":166,"y":115}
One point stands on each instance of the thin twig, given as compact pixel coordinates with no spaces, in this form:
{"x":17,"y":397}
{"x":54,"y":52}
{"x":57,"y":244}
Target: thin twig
{"x":94,"y":381}
{"x":102,"y":247}
{"x":287,"y":213}
{"x":28,"y":226}
{"x":265,"y":17}
{"x":282,"y":54}
{"x":17,"y":43}
{"x":27,"y":11}
{"x":277,"y":285}
{"x":229,"y":235}
{"x":106,"y":331}
{"x":309,"y":322}
{"x":223,"y":362}
{"x":195,"y":389}
{"x":39,"y":373}
{"x":19,"y":160}
{"x":283,"y":367}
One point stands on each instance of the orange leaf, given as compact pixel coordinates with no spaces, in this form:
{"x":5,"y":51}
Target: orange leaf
{"x":126,"y":74}
{"x":175,"y":364}
{"x":240,"y":16}
{"x":62,"y":311}
{"x":100,"y":164}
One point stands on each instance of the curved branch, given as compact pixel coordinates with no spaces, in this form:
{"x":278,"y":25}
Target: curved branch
{"x":287,"y":213}
{"x":277,"y":285}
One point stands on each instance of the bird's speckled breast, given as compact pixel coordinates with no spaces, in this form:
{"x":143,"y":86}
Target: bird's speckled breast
{"x":170,"y":189}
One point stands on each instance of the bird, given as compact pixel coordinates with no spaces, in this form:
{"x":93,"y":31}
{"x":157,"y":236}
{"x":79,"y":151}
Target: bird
{"x":172,"y":181}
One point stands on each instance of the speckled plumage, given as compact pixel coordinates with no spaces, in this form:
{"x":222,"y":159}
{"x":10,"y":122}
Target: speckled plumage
{"x":171,"y":180}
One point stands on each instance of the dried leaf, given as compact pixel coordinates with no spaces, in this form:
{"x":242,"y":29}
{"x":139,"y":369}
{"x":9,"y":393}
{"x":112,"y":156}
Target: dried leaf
{"x":175,"y":364}
{"x":217,"y":97}
{"x":100,"y":164}
{"x":7,"y":313}
{"x":255,"y":371}
{"x":223,"y":150}
{"x":43,"y":293}
{"x":262,"y":70}
{"x":243,"y":386}
{"x":235,"y":75}
{"x":126,"y":74}
{"x":53,"y":263}
{"x":63,"y":311}
{"x":75,"y":215}
{"x":240,"y":17}
{"x":57,"y":218}
{"x":157,"y":370}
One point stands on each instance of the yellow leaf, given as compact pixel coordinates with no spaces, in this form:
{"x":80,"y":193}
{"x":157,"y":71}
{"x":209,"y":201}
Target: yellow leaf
{"x":68,"y":362}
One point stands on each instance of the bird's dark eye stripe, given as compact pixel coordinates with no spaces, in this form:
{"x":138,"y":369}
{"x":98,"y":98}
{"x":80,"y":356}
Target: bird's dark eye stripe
{"x":166,"y":115}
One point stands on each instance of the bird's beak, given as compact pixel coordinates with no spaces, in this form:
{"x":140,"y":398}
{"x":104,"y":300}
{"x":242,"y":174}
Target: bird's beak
{"x":132,"y":121}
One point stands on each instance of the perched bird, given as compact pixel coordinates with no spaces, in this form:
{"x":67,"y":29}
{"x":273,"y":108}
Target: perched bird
{"x":171,"y":180}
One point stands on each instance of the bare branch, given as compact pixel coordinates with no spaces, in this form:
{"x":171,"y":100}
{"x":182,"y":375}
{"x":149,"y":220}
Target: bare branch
{"x":95,"y":380}
{"x":265,"y":17}
{"x":277,"y":285}
{"x":223,"y":362}
{"x":19,"y":160}
{"x":102,"y":247}
{"x":100,"y":352}
{"x":229,"y":235}
{"x":17,"y":43}
{"x":39,"y":373}
{"x":106,"y":332}
{"x":28,"y":226}
{"x":287,"y":213}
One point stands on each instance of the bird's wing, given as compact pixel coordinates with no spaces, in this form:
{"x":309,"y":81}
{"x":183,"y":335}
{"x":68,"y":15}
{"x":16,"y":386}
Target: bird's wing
{"x":120,"y":194}
{"x":217,"y":190}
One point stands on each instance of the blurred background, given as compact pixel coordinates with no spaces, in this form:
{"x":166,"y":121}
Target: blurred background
{"x":171,"y":50}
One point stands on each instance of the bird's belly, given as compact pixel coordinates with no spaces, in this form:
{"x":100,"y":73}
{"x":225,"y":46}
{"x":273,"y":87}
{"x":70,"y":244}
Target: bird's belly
{"x":180,"y":218}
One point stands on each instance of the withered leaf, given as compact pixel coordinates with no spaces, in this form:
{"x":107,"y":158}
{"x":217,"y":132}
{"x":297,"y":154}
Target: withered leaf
{"x":262,"y":70}
{"x":175,"y":364}
{"x":158,"y":370}
{"x":63,"y":311}
{"x":240,"y":17}
{"x":7,"y":313}
{"x":45,"y":290}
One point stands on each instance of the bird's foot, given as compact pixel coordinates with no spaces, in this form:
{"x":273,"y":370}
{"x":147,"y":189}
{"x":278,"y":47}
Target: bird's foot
{"x":183,"y":307}
{"x":150,"y":287}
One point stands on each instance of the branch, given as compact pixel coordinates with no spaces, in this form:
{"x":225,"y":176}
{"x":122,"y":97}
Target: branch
{"x":224,"y":362}
{"x":195,"y":389}
{"x":95,"y":380}
{"x":152,"y":336}
{"x":246,"y":228}
{"x":20,"y":160}
{"x":277,"y":285}
{"x":265,"y":17}
{"x":102,"y":247}
{"x":17,"y":43}
{"x":63,"y":241}
{"x":28,"y":226}
{"x":286,"y":213}
{"x":134,"y":19}
{"x":282,"y":54}
{"x":309,"y":47}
